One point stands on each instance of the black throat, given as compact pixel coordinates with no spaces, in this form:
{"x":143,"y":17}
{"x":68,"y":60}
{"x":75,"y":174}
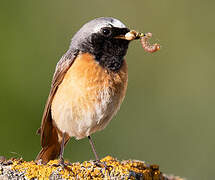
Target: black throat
{"x":109,"y":52}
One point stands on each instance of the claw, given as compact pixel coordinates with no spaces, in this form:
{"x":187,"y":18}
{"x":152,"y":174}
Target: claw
{"x":103,"y":165}
{"x":61,"y":163}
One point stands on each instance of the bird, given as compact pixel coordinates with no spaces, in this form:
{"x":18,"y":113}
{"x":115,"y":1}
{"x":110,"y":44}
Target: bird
{"x":88,"y":86}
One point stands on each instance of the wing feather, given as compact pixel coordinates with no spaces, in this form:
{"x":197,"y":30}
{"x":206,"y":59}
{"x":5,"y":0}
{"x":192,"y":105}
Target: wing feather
{"x":47,"y":130}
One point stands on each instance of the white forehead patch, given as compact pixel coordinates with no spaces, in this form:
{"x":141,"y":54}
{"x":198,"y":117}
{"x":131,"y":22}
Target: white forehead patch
{"x":117,"y":23}
{"x":110,"y":22}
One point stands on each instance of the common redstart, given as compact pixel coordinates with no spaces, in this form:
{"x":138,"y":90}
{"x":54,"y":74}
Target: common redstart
{"x":88,"y":86}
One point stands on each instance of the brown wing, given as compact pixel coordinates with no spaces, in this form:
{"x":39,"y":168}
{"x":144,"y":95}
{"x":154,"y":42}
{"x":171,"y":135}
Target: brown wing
{"x":47,"y":130}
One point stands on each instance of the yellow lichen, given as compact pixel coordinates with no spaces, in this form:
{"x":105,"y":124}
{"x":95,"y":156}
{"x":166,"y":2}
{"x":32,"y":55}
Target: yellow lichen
{"x":88,"y":169}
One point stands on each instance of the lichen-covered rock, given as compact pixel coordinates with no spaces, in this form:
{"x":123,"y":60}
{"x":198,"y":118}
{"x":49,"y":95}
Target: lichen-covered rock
{"x":113,"y":169}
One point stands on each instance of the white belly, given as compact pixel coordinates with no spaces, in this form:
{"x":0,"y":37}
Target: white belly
{"x":82,"y":121}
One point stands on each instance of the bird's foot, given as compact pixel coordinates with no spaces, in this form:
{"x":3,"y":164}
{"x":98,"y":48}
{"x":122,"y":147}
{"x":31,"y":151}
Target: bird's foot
{"x":102,"y":164}
{"x":61,"y":163}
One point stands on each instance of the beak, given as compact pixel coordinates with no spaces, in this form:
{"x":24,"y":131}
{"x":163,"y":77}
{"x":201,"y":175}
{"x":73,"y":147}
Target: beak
{"x":131,"y":35}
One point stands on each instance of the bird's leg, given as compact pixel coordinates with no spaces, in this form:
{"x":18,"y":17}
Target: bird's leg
{"x":98,"y":162}
{"x":61,"y":160}
{"x":93,"y":148}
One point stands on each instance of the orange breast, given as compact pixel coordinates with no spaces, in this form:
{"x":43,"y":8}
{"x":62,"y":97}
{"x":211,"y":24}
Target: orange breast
{"x":88,"y":97}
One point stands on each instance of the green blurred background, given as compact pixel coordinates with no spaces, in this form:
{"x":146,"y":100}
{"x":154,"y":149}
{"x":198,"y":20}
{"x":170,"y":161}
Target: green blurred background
{"x":168,"y":115}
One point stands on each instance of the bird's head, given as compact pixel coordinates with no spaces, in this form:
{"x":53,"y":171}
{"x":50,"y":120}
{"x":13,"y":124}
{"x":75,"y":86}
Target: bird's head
{"x":106,"y":38}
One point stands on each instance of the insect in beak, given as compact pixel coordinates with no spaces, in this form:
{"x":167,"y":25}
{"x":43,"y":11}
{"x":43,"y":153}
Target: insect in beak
{"x":133,"y":35}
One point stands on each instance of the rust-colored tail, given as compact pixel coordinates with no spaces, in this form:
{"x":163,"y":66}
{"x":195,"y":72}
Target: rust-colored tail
{"x":52,"y":148}
{"x":49,"y":153}
{"x":51,"y":140}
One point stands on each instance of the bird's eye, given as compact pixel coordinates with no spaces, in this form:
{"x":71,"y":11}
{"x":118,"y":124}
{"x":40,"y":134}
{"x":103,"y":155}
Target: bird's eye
{"x":106,"y":31}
